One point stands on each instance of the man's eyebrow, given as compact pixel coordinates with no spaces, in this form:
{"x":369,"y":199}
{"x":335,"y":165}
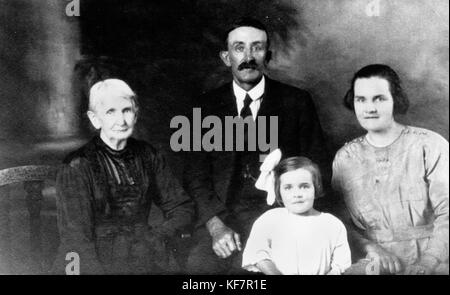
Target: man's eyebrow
{"x":254,"y":42}
{"x":238,"y":42}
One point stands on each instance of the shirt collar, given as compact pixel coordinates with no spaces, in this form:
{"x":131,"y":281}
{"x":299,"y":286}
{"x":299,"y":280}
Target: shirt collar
{"x":254,"y":93}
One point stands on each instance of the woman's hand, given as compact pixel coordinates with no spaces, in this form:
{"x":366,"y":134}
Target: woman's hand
{"x":417,"y":269}
{"x":424,"y":266}
{"x":389,"y":263}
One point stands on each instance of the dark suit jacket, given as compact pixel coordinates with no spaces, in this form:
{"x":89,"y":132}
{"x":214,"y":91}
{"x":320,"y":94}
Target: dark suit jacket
{"x":207,"y":175}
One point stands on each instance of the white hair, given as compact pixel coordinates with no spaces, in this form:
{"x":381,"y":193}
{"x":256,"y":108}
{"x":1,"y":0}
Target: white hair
{"x":109,"y":88}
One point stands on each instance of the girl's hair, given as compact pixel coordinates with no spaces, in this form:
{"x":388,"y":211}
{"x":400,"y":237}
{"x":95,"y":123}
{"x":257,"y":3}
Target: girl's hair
{"x":401,"y":102}
{"x":294,"y":163}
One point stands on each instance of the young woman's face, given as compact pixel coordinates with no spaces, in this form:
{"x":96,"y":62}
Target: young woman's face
{"x":297,"y":191}
{"x":374,"y":104}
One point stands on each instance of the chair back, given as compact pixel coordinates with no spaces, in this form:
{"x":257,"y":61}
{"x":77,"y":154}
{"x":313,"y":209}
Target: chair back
{"x":16,"y":258}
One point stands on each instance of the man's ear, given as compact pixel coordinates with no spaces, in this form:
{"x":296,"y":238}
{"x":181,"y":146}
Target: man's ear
{"x":94,"y":120}
{"x":225,"y":57}
{"x":268,"y":56}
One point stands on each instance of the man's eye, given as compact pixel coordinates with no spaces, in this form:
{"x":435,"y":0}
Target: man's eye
{"x":257,"y":48}
{"x":109,"y":112}
{"x":239,"y":48}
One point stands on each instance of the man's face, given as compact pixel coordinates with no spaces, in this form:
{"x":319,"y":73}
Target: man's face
{"x":246,"y":55}
{"x":115,"y":117}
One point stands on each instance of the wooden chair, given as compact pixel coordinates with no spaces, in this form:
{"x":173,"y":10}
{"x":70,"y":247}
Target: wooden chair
{"x":33,"y":179}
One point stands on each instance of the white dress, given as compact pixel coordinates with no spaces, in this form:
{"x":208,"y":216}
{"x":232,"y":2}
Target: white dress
{"x":298,"y":245}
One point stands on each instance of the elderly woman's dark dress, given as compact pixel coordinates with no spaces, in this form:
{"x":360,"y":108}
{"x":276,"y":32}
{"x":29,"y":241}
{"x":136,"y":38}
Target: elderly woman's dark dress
{"x":104,"y":200}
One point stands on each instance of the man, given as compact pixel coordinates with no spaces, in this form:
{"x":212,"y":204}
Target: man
{"x":222,"y":183}
{"x":106,"y":188}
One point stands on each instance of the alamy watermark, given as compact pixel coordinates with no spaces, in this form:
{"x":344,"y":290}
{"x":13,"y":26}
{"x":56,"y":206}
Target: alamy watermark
{"x":373,"y":267}
{"x":73,"y":265}
{"x":373,"y":8}
{"x":73,"y":8}
{"x":212,"y":139}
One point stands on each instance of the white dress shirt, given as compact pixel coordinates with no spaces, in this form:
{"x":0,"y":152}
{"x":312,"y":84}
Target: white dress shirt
{"x":255,"y":94}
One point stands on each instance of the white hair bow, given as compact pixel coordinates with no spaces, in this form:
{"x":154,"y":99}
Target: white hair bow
{"x":266,"y":180}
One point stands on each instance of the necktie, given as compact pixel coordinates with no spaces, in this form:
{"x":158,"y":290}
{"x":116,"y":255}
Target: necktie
{"x":246,"y":111}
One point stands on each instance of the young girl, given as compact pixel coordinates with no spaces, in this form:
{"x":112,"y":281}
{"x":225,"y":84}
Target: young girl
{"x":295,"y":239}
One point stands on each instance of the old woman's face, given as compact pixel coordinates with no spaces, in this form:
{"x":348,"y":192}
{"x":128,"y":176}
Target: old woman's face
{"x":374,"y":104}
{"x":115,"y":117}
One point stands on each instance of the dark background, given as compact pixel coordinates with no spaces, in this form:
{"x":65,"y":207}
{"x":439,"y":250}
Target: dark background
{"x":168,"y":52}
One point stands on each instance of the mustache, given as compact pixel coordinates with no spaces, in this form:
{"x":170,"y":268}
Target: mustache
{"x":251,"y":64}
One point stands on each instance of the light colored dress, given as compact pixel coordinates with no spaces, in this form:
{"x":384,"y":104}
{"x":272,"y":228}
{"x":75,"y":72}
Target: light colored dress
{"x":398,"y":196}
{"x":298,"y":245}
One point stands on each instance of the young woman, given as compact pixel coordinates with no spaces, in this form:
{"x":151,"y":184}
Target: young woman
{"x":394,"y":180}
{"x":297,"y":239}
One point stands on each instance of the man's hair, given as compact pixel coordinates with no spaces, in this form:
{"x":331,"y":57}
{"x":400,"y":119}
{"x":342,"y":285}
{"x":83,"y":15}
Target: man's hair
{"x":292,"y":164}
{"x":111,"y":88}
{"x":246,"y":22}
{"x":401,"y":102}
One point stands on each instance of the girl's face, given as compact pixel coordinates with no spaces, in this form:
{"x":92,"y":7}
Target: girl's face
{"x":374,"y":104}
{"x":297,"y":191}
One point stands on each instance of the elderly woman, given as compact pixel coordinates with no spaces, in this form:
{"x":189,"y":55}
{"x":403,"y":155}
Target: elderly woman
{"x":394,"y":180}
{"x":106,"y":188}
